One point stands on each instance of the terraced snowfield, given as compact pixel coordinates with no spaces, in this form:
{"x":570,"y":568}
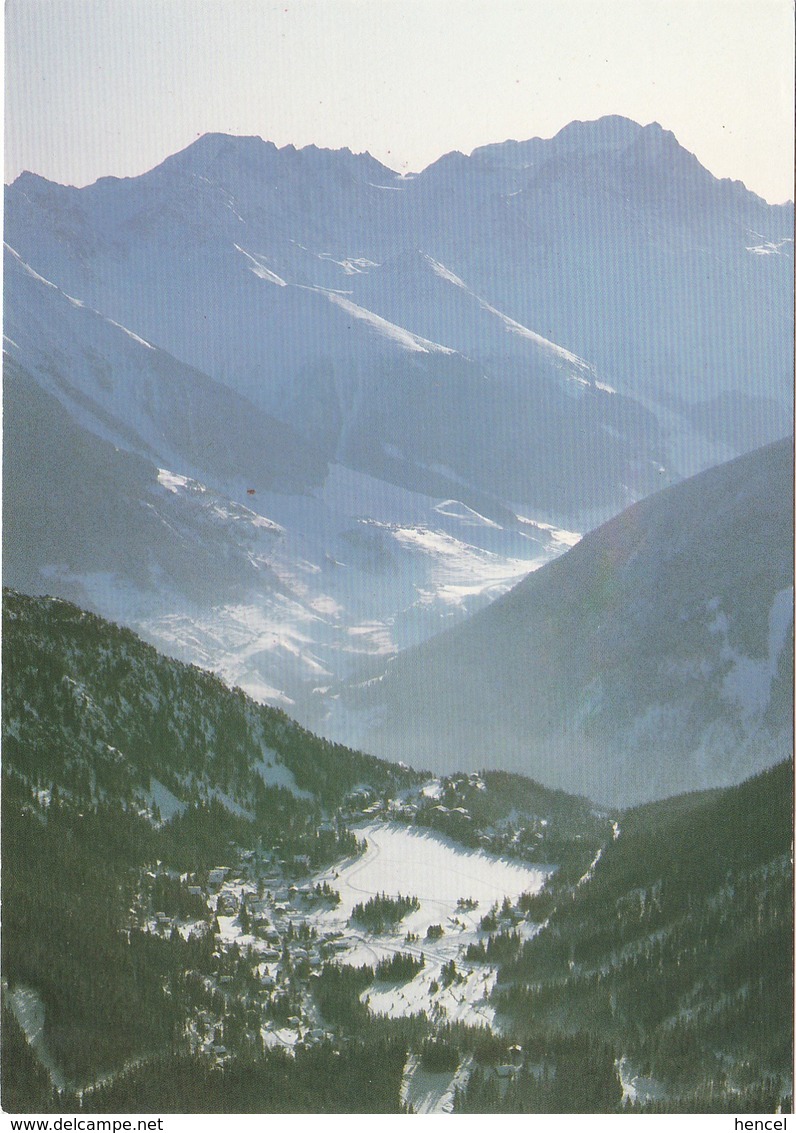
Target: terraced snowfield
{"x":438,"y":872}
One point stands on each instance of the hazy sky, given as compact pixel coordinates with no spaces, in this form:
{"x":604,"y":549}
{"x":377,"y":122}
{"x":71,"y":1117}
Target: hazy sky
{"x":98,"y":87}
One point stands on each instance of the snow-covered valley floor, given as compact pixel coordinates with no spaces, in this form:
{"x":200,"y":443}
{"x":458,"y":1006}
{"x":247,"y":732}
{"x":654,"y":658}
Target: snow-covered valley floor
{"x":440,"y":874}
{"x":454,"y":887}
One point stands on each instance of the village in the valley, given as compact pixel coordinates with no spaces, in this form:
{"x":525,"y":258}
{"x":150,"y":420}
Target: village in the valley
{"x":412,"y":921}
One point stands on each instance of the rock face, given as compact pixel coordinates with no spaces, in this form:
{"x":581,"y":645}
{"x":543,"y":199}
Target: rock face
{"x":654,"y":657}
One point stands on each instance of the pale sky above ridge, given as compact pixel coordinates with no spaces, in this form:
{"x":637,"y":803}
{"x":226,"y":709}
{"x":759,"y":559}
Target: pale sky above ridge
{"x":97,"y":87}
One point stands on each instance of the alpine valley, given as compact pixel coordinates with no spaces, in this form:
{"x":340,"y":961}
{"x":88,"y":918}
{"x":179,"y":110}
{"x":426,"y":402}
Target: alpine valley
{"x":398,"y":634}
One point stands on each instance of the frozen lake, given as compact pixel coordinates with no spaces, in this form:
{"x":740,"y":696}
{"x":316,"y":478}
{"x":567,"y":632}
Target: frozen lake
{"x":438,"y":871}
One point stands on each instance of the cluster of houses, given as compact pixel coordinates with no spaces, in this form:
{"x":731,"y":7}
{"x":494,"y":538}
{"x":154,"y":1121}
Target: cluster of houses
{"x":257,"y":907}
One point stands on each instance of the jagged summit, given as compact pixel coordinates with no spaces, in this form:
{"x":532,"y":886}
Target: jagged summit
{"x":218,"y":156}
{"x":609,"y":133}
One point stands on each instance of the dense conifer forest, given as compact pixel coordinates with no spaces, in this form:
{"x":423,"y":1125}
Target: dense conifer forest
{"x":651,"y":973}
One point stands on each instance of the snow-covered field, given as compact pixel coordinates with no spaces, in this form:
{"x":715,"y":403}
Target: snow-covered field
{"x":439,"y":873}
{"x":291,"y":927}
{"x":433,"y":868}
{"x":346,"y":578}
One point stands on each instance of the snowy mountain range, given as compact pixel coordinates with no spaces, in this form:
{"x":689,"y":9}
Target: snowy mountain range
{"x":161,"y":498}
{"x":287,"y":413}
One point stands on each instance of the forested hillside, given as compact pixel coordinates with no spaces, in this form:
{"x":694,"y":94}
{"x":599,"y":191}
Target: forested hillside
{"x":91,"y":707}
{"x":674,"y":957}
{"x":160,"y":837}
{"x":166,"y":942}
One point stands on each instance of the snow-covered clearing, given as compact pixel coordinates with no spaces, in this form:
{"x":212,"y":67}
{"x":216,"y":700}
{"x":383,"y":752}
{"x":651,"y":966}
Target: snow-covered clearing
{"x":28,"y":1008}
{"x":427,"y":1091}
{"x":439,"y":873}
{"x":635,"y":1087}
{"x":748,"y":682}
{"x":161,"y":797}
{"x":433,"y":868}
{"x":275,"y":774}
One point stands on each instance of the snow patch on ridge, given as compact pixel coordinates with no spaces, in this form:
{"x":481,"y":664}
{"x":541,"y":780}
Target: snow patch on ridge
{"x":71,"y":299}
{"x":558,"y":535}
{"x":583,"y":371}
{"x":259,"y":268}
{"x":768,"y":247}
{"x":171,"y":481}
{"x":469,"y":518}
{"x":403,"y":337}
{"x":353,"y":265}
